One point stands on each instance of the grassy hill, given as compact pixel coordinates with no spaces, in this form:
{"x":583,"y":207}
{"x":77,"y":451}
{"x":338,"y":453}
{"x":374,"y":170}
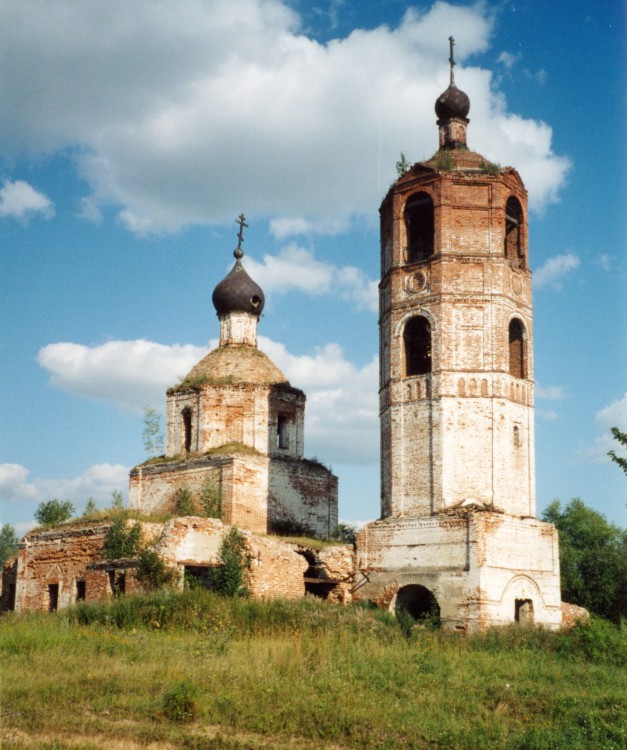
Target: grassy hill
{"x":196,"y":671}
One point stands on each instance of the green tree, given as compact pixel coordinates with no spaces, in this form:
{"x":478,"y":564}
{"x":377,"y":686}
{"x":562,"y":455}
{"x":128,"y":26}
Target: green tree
{"x":90,"y":508}
{"x":344,"y":532}
{"x":622,"y":439}
{"x":54,"y":512}
{"x":402,"y":165}
{"x":8,"y":543}
{"x":118,"y":501}
{"x":152,"y":435}
{"x":229,"y":578}
{"x":593,"y":559}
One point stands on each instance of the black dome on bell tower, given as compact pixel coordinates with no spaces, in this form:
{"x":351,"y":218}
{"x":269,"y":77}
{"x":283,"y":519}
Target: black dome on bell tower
{"x":452,"y":103}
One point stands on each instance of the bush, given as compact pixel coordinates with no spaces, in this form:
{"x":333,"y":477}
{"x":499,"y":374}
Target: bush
{"x":185,"y":505}
{"x":54,"y":512}
{"x":344,"y":532}
{"x":151,"y":571}
{"x":229,"y":578}
{"x":211,"y":499}
{"x":121,"y":542}
{"x":180,"y":702}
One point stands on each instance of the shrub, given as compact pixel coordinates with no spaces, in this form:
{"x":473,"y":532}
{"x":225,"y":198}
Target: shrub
{"x":344,"y":532}
{"x":211,"y":498}
{"x":180,"y":702}
{"x":121,"y":541}
{"x":229,"y":578}
{"x":185,"y":505}
{"x":151,"y":570}
{"x":54,"y":512}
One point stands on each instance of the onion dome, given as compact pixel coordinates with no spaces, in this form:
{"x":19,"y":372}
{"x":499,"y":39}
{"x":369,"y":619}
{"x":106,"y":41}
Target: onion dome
{"x":452,"y":103}
{"x":237,"y":292}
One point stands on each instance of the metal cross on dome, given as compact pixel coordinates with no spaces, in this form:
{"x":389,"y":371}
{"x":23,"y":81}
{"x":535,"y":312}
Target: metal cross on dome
{"x":241,"y":220}
{"x":451,"y":59}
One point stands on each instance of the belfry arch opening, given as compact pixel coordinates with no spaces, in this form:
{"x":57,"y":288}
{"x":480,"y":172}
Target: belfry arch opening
{"x":419,"y":225}
{"x":187,"y":430}
{"x":517,"y":349}
{"x":514,"y":241}
{"x":419,"y":603}
{"x":417,"y":345}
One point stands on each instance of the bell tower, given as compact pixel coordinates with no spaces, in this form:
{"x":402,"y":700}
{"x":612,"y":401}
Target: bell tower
{"x":457,"y":533}
{"x":456,"y":381}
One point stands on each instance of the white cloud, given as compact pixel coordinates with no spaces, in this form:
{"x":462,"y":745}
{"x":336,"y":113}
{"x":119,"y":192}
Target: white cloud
{"x":555,"y":270}
{"x":342,"y":401}
{"x":613,"y":415}
{"x":508,"y":59}
{"x":97,"y":481}
{"x":131,"y":374}
{"x":295,"y":268}
{"x":549,"y":392}
{"x":19,"y":200}
{"x":191,"y":112}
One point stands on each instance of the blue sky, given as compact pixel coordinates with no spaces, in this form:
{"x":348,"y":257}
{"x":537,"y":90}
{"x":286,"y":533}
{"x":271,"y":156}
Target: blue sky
{"x":133,"y":134}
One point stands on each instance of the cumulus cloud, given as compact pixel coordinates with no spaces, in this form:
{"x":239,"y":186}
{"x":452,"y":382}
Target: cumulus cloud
{"x":295,"y":268}
{"x":613,"y":415}
{"x":555,"y":271}
{"x":188,"y":112}
{"x":131,"y":374}
{"x":342,"y":402}
{"x":19,"y":200}
{"x":97,"y":482}
{"x":549,"y":392}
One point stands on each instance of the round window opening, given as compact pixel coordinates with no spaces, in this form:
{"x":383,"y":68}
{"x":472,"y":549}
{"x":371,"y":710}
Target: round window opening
{"x":255,"y":301}
{"x":417,"y":282}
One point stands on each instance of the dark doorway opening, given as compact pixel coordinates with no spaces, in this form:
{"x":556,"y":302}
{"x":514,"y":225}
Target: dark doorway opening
{"x":199,"y":576}
{"x":117,"y":583}
{"x":317,"y":583}
{"x":80,"y":591}
{"x":53,"y":597}
{"x":523,"y":611}
{"x":420,"y":603}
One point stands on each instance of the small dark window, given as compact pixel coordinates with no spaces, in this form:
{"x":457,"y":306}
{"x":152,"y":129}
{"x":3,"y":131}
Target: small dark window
{"x":517,"y":349}
{"x":53,"y":597}
{"x":282,"y":438}
{"x":417,"y":340}
{"x":514,"y":249}
{"x":420,"y":227}
{"x":80,"y":591}
{"x":187,"y":429}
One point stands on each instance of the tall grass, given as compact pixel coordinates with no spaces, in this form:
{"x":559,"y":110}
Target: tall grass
{"x":195,"y":669}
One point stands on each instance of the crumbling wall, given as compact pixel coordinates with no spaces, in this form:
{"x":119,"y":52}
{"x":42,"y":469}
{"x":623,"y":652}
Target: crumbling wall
{"x":304,"y":492}
{"x":52,"y":564}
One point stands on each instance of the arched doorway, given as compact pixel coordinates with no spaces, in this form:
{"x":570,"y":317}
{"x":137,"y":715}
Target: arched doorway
{"x":419,"y":603}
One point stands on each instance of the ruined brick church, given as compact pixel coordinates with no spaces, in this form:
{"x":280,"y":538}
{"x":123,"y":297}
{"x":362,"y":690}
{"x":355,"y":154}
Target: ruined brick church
{"x":457,"y":537}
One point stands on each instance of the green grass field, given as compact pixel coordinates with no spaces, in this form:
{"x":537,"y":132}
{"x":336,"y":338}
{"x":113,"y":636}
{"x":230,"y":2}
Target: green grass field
{"x":200,"y":672}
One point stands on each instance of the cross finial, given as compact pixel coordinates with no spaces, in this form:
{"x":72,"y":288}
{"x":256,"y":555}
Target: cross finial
{"x":241,"y":220}
{"x":451,"y":59}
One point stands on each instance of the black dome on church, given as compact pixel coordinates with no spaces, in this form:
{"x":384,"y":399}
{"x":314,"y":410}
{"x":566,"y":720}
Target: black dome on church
{"x":452,"y":103}
{"x":237,"y":292}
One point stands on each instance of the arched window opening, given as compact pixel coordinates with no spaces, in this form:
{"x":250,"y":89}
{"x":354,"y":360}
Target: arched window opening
{"x":514,"y":249}
{"x":517,"y":349}
{"x":417,"y":340}
{"x":420,"y":227}
{"x":187,"y":429}
{"x":282,"y":437}
{"x":419,"y":603}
